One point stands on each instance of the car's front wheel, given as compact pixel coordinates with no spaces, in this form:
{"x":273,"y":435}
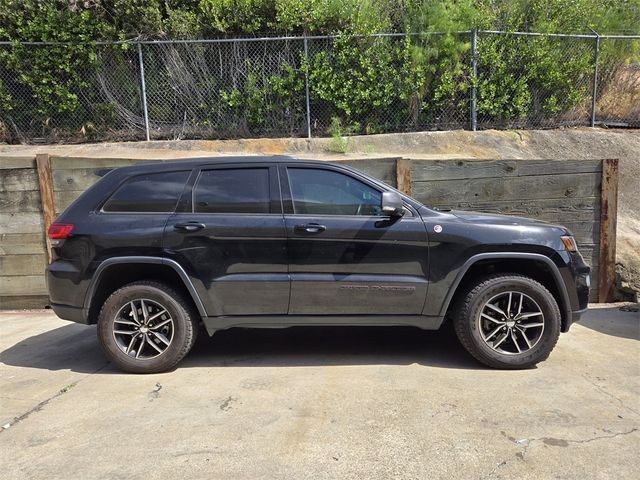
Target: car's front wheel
{"x":508,"y":321}
{"x":146,"y":327}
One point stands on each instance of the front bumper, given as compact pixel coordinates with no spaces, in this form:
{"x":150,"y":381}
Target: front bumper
{"x":575,"y":317}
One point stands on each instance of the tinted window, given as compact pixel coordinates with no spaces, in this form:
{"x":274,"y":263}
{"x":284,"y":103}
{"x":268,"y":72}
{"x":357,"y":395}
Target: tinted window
{"x":239,"y":190}
{"x":325,"y":192}
{"x":154,"y":192}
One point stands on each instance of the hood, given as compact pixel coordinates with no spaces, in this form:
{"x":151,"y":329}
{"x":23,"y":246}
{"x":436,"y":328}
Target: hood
{"x":493,"y":219}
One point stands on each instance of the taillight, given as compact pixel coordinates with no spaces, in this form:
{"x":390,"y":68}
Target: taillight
{"x":59,"y":231}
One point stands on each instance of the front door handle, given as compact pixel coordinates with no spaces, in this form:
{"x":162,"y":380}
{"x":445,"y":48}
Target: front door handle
{"x":189,"y":226}
{"x":310,"y":228}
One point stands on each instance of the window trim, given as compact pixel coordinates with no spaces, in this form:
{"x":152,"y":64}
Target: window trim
{"x":289,"y":204}
{"x":122,"y":182}
{"x":275,"y":200}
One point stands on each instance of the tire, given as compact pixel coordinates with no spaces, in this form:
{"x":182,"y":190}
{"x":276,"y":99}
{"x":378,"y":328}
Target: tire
{"x":161,"y":339}
{"x":529,"y":336}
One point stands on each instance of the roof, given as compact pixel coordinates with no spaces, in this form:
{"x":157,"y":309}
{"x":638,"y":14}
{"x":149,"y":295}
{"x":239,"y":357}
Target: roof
{"x":199,"y":161}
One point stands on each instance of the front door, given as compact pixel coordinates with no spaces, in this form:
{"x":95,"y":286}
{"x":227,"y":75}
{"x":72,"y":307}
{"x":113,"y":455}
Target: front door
{"x":229,"y":234}
{"x":345,"y":256}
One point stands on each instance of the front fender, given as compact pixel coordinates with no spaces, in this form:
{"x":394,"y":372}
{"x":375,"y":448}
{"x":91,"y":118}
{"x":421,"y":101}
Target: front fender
{"x":438,"y":304}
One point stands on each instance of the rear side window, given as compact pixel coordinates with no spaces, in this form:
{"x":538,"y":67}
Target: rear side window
{"x":234,"y":190}
{"x":153,"y":192}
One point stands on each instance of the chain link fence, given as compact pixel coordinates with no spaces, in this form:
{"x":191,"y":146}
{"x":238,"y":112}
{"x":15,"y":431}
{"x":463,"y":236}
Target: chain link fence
{"x":315,"y":86}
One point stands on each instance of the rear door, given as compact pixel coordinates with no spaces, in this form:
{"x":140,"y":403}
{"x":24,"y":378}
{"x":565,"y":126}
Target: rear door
{"x":228,"y":233}
{"x":345,"y":255}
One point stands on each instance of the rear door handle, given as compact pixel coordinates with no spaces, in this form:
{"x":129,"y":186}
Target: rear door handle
{"x":310,"y":228}
{"x":189,"y":226}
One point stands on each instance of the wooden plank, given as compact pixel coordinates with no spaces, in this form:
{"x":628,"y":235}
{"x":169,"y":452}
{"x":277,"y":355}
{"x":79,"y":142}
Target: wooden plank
{"x":21,"y":238}
{"x":65,"y":198}
{"x":65,"y":163}
{"x":21,"y":223}
{"x":19,"y":302}
{"x":555,"y":167}
{"x":608,"y":224}
{"x":23,"y":249}
{"x":584,"y":232}
{"x":381,"y":168}
{"x":590,"y":253}
{"x":75,"y":179}
{"x":18,"y":179}
{"x":22,"y":243}
{"x":593,"y":291}
{"x":453,"y":192}
{"x":19,"y":265}
{"x":428,"y":170}
{"x":45,"y":182}
{"x":34,"y":284}
{"x":22,"y":201}
{"x":403,"y":175}
{"x":579,"y":209}
{"x":9,"y":161}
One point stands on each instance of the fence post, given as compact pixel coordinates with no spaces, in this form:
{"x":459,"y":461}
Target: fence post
{"x":306,"y":84}
{"x":474,"y":78}
{"x":144,"y":92}
{"x":594,"y":94}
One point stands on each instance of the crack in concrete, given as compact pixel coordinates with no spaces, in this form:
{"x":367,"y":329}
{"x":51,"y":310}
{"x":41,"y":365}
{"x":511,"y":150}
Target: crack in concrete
{"x":44,"y":403}
{"x":38,"y":407}
{"x":495,"y":469}
{"x":155,"y":393}
{"x":563,"y":442}
{"x":610,"y":395}
{"x":556,"y":442}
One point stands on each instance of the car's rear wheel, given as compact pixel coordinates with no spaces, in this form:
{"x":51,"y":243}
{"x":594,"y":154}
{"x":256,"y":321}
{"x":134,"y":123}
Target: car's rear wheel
{"x":508,"y":321}
{"x":146,"y":327}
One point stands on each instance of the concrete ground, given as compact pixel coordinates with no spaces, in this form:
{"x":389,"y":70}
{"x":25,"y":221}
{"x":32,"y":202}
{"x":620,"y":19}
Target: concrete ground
{"x":319,"y":403}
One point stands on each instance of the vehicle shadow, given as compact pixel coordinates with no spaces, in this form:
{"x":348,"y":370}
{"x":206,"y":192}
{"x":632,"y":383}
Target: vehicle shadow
{"x":613,"y":321}
{"x":75,"y":347}
{"x":319,"y":346}
{"x":72,"y":347}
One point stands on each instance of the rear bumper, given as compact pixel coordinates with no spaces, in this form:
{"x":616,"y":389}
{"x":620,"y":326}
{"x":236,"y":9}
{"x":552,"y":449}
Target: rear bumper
{"x":68,"y":312}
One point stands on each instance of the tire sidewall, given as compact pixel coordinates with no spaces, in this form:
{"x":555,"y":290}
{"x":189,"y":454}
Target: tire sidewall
{"x":545,"y":301}
{"x":105,"y":329}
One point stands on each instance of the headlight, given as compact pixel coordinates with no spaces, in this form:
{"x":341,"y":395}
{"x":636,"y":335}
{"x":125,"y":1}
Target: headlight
{"x":569,"y":243}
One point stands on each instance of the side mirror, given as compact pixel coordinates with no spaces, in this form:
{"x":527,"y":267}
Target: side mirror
{"x":392,"y":204}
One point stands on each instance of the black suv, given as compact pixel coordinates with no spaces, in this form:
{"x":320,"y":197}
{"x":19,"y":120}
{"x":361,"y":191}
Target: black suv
{"x":151,"y":250}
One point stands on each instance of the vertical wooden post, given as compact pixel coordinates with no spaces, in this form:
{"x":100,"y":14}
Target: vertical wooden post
{"x":403,"y":175}
{"x":45,"y":182}
{"x":608,"y":222}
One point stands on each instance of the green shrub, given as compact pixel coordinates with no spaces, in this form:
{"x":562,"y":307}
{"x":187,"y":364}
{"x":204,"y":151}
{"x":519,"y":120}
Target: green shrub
{"x":370,"y":84}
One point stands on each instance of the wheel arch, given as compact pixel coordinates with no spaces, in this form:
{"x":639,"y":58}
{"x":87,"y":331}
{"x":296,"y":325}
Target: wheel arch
{"x":483,"y":263}
{"x":103,"y":282}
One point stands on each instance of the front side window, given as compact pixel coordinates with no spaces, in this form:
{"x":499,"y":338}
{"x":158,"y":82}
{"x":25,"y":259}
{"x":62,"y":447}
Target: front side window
{"x":233,"y":190}
{"x":150,"y":193}
{"x":326,"y":192}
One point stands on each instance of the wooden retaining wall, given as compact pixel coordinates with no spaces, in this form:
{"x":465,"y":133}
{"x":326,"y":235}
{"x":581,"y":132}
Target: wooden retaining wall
{"x":568,"y":192}
{"x":28,"y":193}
